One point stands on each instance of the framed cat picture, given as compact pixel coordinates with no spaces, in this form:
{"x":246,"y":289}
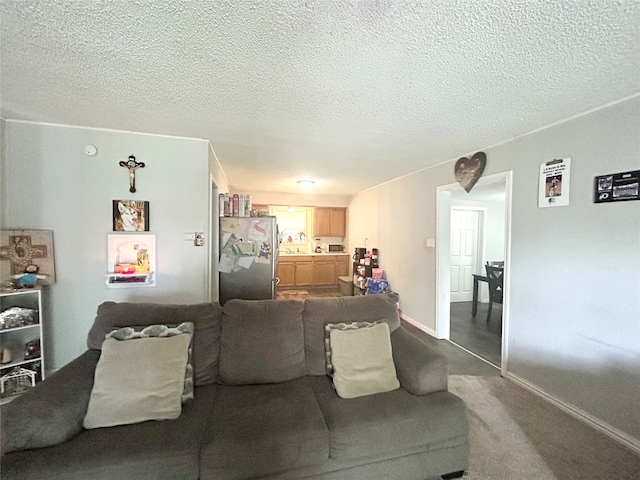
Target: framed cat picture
{"x":130,"y":216}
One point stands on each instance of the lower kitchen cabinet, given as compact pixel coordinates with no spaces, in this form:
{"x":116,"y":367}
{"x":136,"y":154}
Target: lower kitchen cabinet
{"x":311,"y":270}
{"x":286,"y":272}
{"x":295,"y":271}
{"x":343,"y":266}
{"x":304,"y":272}
{"x":324,"y":272}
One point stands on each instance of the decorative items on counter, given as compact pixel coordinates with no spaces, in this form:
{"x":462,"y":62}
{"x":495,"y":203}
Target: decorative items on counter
{"x":368,"y":277}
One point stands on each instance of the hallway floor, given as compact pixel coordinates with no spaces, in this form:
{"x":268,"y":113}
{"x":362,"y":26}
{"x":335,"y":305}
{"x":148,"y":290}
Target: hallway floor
{"x":476,"y":334}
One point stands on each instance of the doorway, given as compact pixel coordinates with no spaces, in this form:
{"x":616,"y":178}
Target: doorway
{"x":467,"y":226}
{"x":491,"y":221}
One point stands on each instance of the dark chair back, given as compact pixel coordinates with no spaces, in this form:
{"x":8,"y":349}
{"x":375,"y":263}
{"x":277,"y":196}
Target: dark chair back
{"x":496,"y":264}
{"x":494,"y":279}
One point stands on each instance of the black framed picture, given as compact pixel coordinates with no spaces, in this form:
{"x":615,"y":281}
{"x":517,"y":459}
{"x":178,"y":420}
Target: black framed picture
{"x":130,"y":216}
{"x":617,"y":187}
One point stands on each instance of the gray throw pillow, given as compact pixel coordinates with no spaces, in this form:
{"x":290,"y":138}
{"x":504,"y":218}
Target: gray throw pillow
{"x":262,"y":341}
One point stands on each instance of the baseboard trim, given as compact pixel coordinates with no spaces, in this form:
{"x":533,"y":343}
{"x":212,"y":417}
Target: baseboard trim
{"x":474,"y":354}
{"x":418,"y":325}
{"x":603,"y":427}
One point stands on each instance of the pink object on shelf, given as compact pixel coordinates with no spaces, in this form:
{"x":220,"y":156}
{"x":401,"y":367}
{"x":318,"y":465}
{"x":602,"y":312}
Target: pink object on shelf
{"x":377,"y":273}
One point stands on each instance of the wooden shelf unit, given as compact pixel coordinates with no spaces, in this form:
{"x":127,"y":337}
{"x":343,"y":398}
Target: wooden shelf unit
{"x":16,"y":338}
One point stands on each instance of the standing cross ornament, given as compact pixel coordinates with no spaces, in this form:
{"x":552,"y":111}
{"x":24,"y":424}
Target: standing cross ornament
{"x":131,"y":164}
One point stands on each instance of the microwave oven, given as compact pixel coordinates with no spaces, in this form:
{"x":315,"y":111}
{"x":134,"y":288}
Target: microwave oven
{"x":335,"y":247}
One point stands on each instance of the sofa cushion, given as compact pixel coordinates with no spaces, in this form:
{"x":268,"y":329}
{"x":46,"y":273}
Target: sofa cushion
{"x":420,"y":370}
{"x":320,"y":311}
{"x":362,"y":361}
{"x":391,"y":424}
{"x":205,"y":317}
{"x":258,"y":430}
{"x":53,"y":411}
{"x":138,"y":380}
{"x":262,"y":341}
{"x":144,"y":451}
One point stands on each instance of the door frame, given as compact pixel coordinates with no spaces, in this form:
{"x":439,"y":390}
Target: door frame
{"x":443,"y":262}
{"x":480,"y":242}
{"x":212,"y":280}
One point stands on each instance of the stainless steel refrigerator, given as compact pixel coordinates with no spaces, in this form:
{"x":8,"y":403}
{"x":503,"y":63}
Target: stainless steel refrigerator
{"x":248,"y":257}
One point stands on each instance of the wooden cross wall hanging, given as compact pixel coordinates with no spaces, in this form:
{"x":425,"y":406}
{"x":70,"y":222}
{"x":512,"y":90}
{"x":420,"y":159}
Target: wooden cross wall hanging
{"x":131,"y":164}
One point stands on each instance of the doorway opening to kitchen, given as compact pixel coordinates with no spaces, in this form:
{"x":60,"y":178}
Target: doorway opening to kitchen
{"x":473,"y":229}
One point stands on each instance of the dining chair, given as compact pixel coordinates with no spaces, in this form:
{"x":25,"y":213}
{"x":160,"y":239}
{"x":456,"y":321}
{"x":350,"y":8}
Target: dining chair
{"x":496,"y":264}
{"x":494,"y":279}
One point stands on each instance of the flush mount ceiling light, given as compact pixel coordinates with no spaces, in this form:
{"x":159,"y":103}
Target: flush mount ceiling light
{"x":306,"y":184}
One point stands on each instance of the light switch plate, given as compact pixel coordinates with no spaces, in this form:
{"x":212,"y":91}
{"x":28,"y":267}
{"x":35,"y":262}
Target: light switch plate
{"x":431,"y":242}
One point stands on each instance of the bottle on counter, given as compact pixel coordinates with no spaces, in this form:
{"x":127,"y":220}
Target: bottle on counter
{"x":374,"y":257}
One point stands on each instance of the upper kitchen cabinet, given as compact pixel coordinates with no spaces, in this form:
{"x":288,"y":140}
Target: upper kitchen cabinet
{"x":330,"y":222}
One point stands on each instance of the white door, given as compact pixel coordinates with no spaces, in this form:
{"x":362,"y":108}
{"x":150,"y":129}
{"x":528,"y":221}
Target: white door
{"x":465,"y":228}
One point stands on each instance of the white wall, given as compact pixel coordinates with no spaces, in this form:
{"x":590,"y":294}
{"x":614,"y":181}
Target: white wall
{"x":574,"y":291}
{"x":298,"y":199}
{"x":49,"y":183}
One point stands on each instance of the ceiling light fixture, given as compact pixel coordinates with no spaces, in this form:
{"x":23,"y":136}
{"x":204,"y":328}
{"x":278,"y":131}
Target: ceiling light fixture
{"x":306,"y":184}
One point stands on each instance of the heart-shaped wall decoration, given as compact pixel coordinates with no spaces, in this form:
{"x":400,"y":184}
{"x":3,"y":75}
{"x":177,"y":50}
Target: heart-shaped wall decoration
{"x":468,"y":171}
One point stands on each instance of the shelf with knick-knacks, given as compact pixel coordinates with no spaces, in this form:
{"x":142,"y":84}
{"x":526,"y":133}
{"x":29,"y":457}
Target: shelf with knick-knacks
{"x":131,"y":261}
{"x":21,"y":341}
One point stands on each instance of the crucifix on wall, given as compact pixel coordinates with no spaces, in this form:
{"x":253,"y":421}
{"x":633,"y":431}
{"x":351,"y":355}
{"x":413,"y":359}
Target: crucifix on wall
{"x":132,"y":165}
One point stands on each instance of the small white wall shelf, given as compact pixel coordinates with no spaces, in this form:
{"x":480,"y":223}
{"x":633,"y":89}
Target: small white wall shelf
{"x":118,"y":280}
{"x":123,"y":250}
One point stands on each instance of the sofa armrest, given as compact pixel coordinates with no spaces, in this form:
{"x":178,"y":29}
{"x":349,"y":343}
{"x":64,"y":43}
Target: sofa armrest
{"x":420,"y":369}
{"x":51,"y":412}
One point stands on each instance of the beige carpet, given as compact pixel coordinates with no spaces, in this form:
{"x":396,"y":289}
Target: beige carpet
{"x":514,"y":434}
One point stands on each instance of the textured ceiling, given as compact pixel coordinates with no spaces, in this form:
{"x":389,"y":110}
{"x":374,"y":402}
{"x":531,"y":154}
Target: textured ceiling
{"x":349,"y":93}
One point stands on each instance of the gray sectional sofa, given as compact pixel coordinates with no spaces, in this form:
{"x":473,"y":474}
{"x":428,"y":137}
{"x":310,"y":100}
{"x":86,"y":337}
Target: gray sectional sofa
{"x":264,"y":405}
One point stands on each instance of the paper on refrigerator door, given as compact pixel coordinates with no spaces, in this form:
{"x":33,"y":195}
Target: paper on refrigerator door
{"x":260,"y":230}
{"x":245,"y":262}
{"x":225,"y":265}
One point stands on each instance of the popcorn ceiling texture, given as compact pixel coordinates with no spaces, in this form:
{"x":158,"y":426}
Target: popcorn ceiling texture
{"x":351,"y":93}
